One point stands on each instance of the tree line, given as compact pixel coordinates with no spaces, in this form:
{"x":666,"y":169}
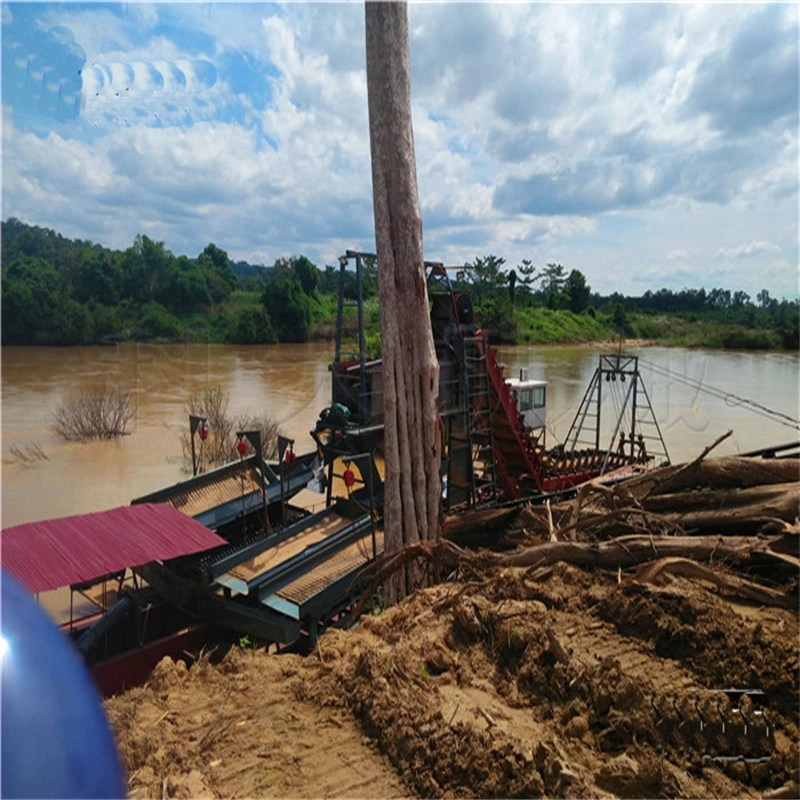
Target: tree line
{"x":58,"y":291}
{"x":504,"y":296}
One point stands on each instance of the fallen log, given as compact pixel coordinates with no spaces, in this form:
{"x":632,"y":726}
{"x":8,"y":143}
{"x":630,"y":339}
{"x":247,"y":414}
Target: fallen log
{"x":739,"y":511}
{"x":649,"y":573}
{"x":619,"y":553}
{"x":481,"y":528}
{"x":670,"y":477}
{"x":772,"y":498}
{"x":728,"y":472}
{"x":627,"y":551}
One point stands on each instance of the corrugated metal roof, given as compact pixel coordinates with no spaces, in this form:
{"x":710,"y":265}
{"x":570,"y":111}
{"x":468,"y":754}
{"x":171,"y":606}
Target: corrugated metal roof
{"x":58,"y":552}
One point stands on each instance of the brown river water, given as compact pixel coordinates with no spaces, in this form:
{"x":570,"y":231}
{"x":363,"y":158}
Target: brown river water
{"x":292,"y":384}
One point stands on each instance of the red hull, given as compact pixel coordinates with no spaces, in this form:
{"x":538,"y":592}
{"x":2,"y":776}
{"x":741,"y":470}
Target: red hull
{"x":134,"y":667}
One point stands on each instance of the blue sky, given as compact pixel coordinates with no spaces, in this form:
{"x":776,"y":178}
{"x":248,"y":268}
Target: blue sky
{"x":648,"y":145}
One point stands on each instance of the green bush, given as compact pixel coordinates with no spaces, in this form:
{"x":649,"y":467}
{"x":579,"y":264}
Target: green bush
{"x":747,"y":339}
{"x":105,"y":323}
{"x":550,"y":326}
{"x":155,"y":322}
{"x":248,"y":324}
{"x":289,"y":308}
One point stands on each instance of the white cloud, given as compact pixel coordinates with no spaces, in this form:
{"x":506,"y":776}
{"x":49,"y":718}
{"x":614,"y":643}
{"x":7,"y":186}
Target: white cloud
{"x":679,"y":255}
{"x":746,"y":250}
{"x":606,"y":137}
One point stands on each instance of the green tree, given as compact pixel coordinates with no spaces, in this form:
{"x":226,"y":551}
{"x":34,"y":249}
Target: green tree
{"x":144,"y":267}
{"x":487,"y":277}
{"x":329,"y":280}
{"x":97,"y":276}
{"x":219,"y":278}
{"x":619,"y":319}
{"x":719,"y":298}
{"x":156,"y":322}
{"x":70,"y":323}
{"x":37,"y":310}
{"x":306,"y":273}
{"x":553,"y":279}
{"x":527,"y":278}
{"x":183,"y":287}
{"x":30,"y":293}
{"x":578,"y":291}
{"x":497,"y":319}
{"x":787,"y":323}
{"x":288,"y":308}
{"x":250,"y":324}
{"x":18,"y":312}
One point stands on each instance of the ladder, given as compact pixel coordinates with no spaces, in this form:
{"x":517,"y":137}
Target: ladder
{"x":480,"y":435}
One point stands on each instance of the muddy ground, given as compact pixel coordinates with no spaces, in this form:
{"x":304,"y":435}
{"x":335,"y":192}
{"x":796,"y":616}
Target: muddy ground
{"x":560,"y":682}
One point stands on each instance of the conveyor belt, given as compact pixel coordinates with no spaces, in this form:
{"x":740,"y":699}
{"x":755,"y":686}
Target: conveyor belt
{"x":306,"y":573}
{"x":327,"y":584}
{"x":283,"y":551}
{"x":343,"y":563}
{"x":234,"y":490}
{"x":201,"y":497}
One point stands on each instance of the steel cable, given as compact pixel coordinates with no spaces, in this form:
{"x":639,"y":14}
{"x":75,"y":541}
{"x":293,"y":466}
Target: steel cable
{"x":729,"y":398}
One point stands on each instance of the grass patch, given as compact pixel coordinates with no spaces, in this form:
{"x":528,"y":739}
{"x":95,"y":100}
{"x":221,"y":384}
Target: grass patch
{"x":550,"y":326}
{"x":692,"y":331}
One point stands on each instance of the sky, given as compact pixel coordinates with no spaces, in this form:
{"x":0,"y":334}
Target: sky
{"x":647,"y":145}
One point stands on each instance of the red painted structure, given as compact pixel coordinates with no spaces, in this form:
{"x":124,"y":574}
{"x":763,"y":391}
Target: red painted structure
{"x":59,"y":552}
{"x":134,"y":667}
{"x":517,"y":455}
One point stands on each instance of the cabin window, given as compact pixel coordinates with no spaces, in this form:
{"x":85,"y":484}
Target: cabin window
{"x":538,"y":397}
{"x":526,"y":400}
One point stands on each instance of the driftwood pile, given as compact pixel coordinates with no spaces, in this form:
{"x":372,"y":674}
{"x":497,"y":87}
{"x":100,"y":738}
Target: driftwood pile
{"x":731,"y":522}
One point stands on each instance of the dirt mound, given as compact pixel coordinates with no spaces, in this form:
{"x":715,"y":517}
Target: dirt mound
{"x":557,"y":682}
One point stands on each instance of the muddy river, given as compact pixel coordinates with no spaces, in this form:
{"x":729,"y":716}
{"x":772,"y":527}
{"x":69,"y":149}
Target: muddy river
{"x":291,"y":383}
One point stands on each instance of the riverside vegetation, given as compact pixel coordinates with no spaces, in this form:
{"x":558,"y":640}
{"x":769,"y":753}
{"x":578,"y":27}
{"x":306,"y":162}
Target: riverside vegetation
{"x":57,"y":291}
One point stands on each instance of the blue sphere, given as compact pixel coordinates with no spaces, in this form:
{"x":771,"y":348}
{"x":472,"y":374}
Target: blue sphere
{"x":56,"y":740}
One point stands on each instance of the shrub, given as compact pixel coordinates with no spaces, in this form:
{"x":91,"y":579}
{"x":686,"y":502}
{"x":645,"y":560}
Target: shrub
{"x":157,"y":323}
{"x":249,"y":324}
{"x":737,"y":338}
{"x":26,"y":454}
{"x":289,"y":308}
{"x":94,"y":413}
{"x":220,"y":447}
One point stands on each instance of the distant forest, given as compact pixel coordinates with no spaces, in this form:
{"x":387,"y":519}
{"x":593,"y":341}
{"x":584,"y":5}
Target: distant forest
{"x":58,"y":291}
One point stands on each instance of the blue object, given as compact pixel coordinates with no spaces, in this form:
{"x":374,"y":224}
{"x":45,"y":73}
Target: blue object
{"x":56,"y":740}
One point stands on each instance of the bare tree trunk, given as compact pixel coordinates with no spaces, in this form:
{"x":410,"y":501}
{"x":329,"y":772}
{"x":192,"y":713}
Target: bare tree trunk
{"x":411,"y":371}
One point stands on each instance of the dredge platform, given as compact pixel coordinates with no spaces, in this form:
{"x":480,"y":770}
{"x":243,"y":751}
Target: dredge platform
{"x":244,"y":559}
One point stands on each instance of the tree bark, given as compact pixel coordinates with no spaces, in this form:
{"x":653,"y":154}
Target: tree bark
{"x":626,"y":551}
{"x":649,"y":573}
{"x":411,"y":371}
{"x":729,"y":472}
{"x":732,"y":510}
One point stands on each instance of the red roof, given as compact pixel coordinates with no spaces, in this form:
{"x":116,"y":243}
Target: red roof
{"x":58,"y":552}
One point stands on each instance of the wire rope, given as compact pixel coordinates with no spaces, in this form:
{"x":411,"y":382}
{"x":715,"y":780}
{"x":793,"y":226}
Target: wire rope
{"x":729,"y":398}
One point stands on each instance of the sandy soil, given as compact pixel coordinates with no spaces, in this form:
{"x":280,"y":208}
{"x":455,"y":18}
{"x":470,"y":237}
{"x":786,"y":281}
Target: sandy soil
{"x":559,"y":682}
